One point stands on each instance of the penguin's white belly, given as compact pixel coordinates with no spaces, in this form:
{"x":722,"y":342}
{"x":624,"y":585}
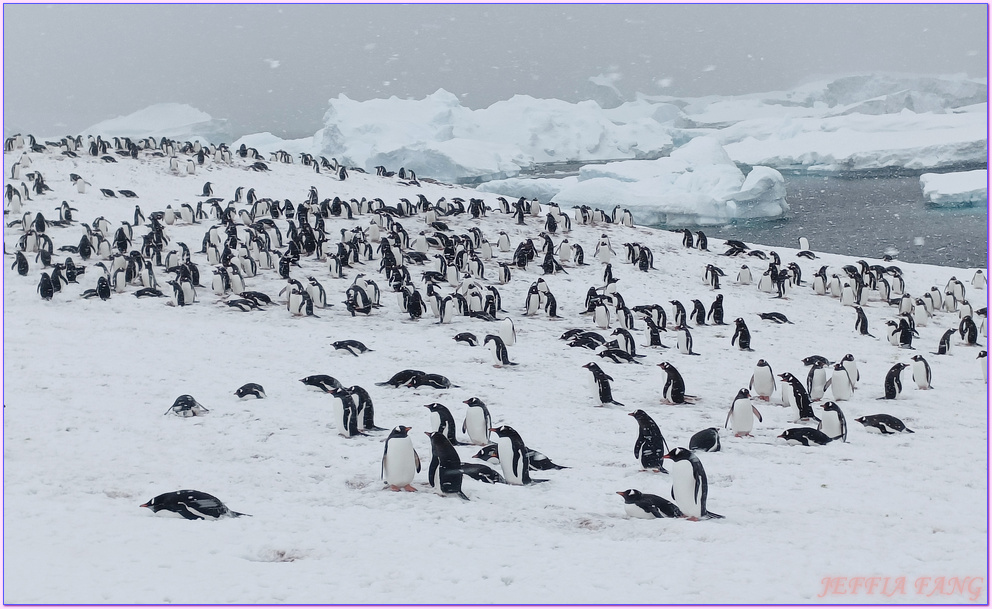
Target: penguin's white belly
{"x":818,"y":386}
{"x":475,"y":426}
{"x":400,"y":465}
{"x":764,"y":384}
{"x":920,"y":375}
{"x":743,"y":417}
{"x":684,"y":489}
{"x":830,"y":424}
{"x":840,"y":386}
{"x":635,"y":512}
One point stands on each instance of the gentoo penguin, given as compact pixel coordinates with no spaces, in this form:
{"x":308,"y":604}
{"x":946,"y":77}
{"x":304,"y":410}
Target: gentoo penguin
{"x":979,"y":281}
{"x":512,"y":456}
{"x":861,"y":324}
{"x":443,"y":422}
{"x":650,"y":447}
{"x":252,"y":389}
{"x":602,"y":381}
{"x":500,"y":354}
{"x":346,"y":413}
{"x":324,"y":382}
{"x":400,"y":461}
{"x":798,"y":398}
{"x":816,"y":381}
{"x":887,"y":424}
{"x":968,"y":330}
{"x":684,"y":340}
{"x":744,"y":276}
{"x":944,"y":346}
{"x":507,"y":332}
{"x":644,"y":505}
{"x":762,"y":380}
{"x":921,"y":372}
{"x":807,"y":436}
{"x":893,"y":384}
{"x":833,"y":423}
{"x":187,"y":406}
{"x":445,"y":471}
{"x":689,"y":486}
{"x":841,"y":384}
{"x":601,"y":316}
{"x":716,"y":311}
{"x":482,"y":473}
{"x":191,"y":505}
{"x":674,"y":390}
{"x":477,"y":421}
{"x":852,"y":369}
{"x":707,"y":440}
{"x":402,"y":377}
{"x":743,"y":412}
{"x":742,"y":336}
{"x":351,"y":346}
{"x":983,"y":357}
{"x":538,"y":460}
{"x":468,"y":338}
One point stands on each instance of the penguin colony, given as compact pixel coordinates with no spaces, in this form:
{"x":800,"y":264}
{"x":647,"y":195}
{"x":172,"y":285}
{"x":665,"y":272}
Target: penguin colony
{"x":328,"y":260}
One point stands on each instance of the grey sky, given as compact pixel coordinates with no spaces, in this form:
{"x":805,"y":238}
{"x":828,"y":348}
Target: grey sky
{"x":273,"y":67}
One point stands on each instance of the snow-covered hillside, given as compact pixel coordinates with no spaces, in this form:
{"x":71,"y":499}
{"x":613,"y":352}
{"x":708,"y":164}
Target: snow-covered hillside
{"x":88,"y":439}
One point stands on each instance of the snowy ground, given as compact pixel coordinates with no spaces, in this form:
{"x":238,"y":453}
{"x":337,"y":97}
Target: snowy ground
{"x":86,"y":442}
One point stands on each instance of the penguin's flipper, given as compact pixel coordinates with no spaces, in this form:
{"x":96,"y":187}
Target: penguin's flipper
{"x":416,"y":459}
{"x":463,"y":496}
{"x":757,"y":414}
{"x":709,"y":515}
{"x":730,"y":412}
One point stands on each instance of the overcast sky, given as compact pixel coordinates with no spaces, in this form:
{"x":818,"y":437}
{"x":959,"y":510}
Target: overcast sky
{"x":273,"y":67}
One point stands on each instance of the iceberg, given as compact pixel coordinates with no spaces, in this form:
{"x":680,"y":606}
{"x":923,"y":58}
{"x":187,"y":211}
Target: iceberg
{"x":175,"y":121}
{"x":957,"y":189}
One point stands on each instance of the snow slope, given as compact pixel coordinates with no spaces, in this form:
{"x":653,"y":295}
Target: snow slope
{"x":86,"y":383}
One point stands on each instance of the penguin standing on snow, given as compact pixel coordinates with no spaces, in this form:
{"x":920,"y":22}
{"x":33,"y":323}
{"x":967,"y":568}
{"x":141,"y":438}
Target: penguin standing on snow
{"x":762,"y":380}
{"x":500,"y":354}
{"x":644,"y":505}
{"x":445,"y":471}
{"x":346,"y":413}
{"x":650,"y":447}
{"x":477,"y":421}
{"x":442,"y":422}
{"x":861,"y":324}
{"x":742,"y":411}
{"x":674,"y":390}
{"x":893,"y":384}
{"x":798,"y":398}
{"x":689,"y":485}
{"x":742,"y":336}
{"x":602,"y":381}
{"x":921,"y":372}
{"x":833,"y":423}
{"x":400,"y":461}
{"x":512,"y":455}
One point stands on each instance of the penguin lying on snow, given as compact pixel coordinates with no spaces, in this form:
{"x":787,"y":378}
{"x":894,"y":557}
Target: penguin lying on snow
{"x":538,"y":460}
{"x":643,"y":505}
{"x":187,"y":406}
{"x":191,"y":505}
{"x":352,"y":346}
{"x":807,"y":436}
{"x":887,"y":424}
{"x":250,"y":389}
{"x":707,"y":440}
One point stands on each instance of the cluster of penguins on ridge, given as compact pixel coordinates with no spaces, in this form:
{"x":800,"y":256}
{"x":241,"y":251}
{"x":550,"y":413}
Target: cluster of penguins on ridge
{"x":243,"y":242}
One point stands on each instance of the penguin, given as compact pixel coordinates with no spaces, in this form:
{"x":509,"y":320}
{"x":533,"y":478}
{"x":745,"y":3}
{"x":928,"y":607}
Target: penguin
{"x":763,"y":380}
{"x":643,"y":505}
{"x":944,"y":346}
{"x":400,"y":461}
{"x":886,"y":424}
{"x":507,"y":332}
{"x":445,"y":471}
{"x":191,"y":505}
{"x":807,"y":436}
{"x":852,"y":369}
{"x":861,"y":324}
{"x":841,"y":384}
{"x":698,"y":314}
{"x":468,"y":338}
{"x":706,"y":440}
{"x":477,"y":421}
{"x":250,"y":389}
{"x":716,"y":311}
{"x":500,"y":354}
{"x":798,"y":398}
{"x":684,"y":340}
{"x":187,"y":406}
{"x":744,"y":276}
{"x":983,"y":356}
{"x":816,"y":381}
{"x":482,"y":473}
{"x":601,"y":316}
{"x":921,"y":372}
{"x":968,"y":331}
{"x":602,"y":381}
{"x":45,"y":287}
{"x":743,"y":412}
{"x":351,"y":346}
{"x":324,"y":382}
{"x":678,"y":315}
{"x":346,"y":414}
{"x":742,"y":336}
{"x":443,"y":422}
{"x":402,"y":377}
{"x":979,"y":281}
{"x":893,"y":384}
{"x":689,"y":486}
{"x":650,"y":447}
{"x":833,"y":423}
{"x":512,"y":456}
{"x":674,"y":390}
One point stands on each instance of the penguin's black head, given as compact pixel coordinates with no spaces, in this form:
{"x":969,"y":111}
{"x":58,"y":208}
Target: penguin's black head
{"x":630,"y":495}
{"x":152,"y":505}
{"x":830,"y":406}
{"x":743,"y":393}
{"x":679,"y":454}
